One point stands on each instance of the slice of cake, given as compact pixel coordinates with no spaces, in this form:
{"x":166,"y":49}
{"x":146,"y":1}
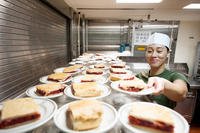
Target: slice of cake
{"x":72,"y":69}
{"x":153,"y":118}
{"x":59,"y":77}
{"x":118,"y":70}
{"x":116,"y":77}
{"x":84,"y":114}
{"x":87,"y":89}
{"x":18,"y":111}
{"x":89,"y":78}
{"x":78,"y":66}
{"x":99,"y":66}
{"x":96,"y":71}
{"x":118,"y":65}
{"x":49,"y":89}
{"x":135,"y":85}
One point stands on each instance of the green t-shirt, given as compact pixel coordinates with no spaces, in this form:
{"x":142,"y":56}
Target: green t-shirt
{"x":166,"y":74}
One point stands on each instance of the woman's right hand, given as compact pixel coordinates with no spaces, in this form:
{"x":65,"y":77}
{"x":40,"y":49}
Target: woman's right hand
{"x":157,"y":83}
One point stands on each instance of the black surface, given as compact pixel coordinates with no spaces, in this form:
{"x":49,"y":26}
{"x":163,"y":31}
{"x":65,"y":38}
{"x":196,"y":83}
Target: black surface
{"x":196,"y":117}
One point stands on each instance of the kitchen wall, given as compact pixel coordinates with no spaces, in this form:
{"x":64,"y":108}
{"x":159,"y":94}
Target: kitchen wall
{"x":188,"y":36}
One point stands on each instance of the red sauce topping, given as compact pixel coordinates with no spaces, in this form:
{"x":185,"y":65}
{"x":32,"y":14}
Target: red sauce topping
{"x":97,"y":73}
{"x":13,"y":121}
{"x":43,"y":93}
{"x":117,"y":66}
{"x":156,"y":125}
{"x":131,"y":89}
{"x":87,"y":81}
{"x":55,"y":80}
{"x":99,"y":66}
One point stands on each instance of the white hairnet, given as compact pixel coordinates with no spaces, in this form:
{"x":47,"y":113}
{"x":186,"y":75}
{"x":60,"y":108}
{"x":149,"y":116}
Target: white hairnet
{"x":159,"y":38}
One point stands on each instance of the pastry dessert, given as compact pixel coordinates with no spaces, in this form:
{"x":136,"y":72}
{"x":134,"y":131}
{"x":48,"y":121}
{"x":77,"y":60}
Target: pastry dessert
{"x":96,"y":71}
{"x":59,"y":77}
{"x":84,"y":114}
{"x":49,"y":89}
{"x":87,"y":89}
{"x":118,"y":65}
{"x":99,"y":66}
{"x":116,"y":77}
{"x":18,"y":111}
{"x":72,"y":69}
{"x":78,"y":66}
{"x":152,"y":118}
{"x":89,"y":78}
{"x":118,"y":70}
{"x":135,"y":85}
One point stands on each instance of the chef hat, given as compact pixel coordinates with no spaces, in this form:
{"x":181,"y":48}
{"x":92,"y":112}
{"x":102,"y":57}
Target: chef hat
{"x":159,"y":38}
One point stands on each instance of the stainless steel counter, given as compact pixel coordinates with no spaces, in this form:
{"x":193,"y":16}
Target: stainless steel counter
{"x":194,"y":83}
{"x":116,"y":99}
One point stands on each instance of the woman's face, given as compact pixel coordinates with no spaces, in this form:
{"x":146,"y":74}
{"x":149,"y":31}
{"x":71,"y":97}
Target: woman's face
{"x":156,"y":55}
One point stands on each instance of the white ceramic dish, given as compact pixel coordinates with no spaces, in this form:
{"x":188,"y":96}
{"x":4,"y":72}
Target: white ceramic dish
{"x":47,"y":110}
{"x":44,"y":80}
{"x":115,"y":86}
{"x":127,"y":72}
{"x":109,"y":119}
{"x":105,"y":91}
{"x":99,"y":79}
{"x":60,"y":70}
{"x":31,"y":92}
{"x":180,"y":124}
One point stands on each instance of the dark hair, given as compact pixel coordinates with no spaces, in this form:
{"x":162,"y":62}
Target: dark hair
{"x":167,"y":48}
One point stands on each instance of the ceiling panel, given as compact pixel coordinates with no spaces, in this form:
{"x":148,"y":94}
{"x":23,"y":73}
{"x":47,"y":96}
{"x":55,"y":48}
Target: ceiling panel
{"x":166,"y":10}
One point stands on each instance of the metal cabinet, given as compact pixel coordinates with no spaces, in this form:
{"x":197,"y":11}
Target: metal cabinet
{"x":187,"y":107}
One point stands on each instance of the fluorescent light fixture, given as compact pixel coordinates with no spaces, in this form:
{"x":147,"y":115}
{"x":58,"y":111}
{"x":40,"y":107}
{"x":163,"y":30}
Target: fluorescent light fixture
{"x":159,"y":26}
{"x":192,"y":6}
{"x":138,"y":1}
{"x":107,"y":27}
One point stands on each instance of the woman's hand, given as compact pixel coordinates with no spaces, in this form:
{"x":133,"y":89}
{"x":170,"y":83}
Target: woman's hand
{"x":157,"y":83}
{"x":175,"y":91}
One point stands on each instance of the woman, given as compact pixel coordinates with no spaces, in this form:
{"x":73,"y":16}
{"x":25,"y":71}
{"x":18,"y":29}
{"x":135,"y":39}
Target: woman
{"x":169,"y":86}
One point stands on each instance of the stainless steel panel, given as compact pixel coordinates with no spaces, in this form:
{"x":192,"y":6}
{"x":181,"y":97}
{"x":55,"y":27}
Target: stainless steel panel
{"x":196,"y":72}
{"x":33,"y":42}
{"x":103,"y":47}
{"x":74,"y":35}
{"x":103,"y":33}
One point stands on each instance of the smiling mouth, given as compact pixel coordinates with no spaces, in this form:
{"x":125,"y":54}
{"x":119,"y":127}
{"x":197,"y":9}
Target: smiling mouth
{"x":153,"y":61}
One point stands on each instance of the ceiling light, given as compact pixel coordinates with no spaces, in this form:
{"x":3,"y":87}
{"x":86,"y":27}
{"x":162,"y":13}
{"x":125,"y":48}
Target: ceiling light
{"x":138,"y":1}
{"x":159,"y":26}
{"x":192,"y":6}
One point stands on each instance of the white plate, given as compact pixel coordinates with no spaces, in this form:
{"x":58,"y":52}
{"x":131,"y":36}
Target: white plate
{"x":109,"y":119}
{"x":105,"y":91}
{"x":44,"y":80}
{"x":60,"y":70}
{"x":96,"y":62}
{"x":100,"y":79}
{"x":104,"y":72}
{"x":47,"y":110}
{"x":31,"y":92}
{"x":106,"y":67}
{"x":126,"y":67}
{"x":127,"y":72}
{"x":181,"y":125}
{"x":76,"y":62}
{"x":115,"y":86}
{"x":82,"y":59}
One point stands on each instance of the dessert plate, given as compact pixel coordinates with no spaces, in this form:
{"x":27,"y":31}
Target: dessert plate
{"x":47,"y":110}
{"x":109,"y":119}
